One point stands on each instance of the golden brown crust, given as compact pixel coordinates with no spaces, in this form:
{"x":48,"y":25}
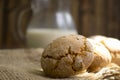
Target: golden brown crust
{"x":102,"y":56}
{"x":67,"y":56}
{"x":113,"y":45}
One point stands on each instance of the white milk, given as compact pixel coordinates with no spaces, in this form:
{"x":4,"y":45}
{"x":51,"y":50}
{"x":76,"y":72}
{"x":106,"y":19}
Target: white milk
{"x":42,"y":37}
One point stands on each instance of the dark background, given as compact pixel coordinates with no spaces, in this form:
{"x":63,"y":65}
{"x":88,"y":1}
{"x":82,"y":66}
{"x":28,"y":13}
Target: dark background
{"x":92,"y":17}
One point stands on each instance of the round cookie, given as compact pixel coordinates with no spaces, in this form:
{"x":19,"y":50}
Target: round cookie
{"x":113,"y":45}
{"x":102,"y":56}
{"x":67,"y":56}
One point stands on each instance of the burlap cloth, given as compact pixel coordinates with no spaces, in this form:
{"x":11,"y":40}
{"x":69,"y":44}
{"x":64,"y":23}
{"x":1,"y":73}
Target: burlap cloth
{"x":24,"y":64}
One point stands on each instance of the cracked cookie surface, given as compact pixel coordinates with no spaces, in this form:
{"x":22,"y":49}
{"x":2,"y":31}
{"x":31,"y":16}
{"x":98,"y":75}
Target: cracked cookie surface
{"x":102,"y":56}
{"x":67,"y":56}
{"x":113,"y":45}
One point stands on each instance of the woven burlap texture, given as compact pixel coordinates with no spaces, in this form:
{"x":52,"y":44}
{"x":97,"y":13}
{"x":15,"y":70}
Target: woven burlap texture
{"x":24,"y":64}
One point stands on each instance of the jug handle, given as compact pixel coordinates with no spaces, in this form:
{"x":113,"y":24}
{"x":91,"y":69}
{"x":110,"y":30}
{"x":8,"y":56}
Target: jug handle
{"x":17,"y":30}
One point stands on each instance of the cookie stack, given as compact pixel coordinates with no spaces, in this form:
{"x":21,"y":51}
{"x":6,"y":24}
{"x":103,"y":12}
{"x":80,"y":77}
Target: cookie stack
{"x":75,"y":54}
{"x":112,"y":44}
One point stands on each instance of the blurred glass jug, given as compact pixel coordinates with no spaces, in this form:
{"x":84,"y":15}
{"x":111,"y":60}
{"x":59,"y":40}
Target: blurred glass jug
{"x":51,"y":19}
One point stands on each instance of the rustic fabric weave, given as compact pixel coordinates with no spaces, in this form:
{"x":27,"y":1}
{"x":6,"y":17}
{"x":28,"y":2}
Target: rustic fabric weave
{"x":24,"y":64}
